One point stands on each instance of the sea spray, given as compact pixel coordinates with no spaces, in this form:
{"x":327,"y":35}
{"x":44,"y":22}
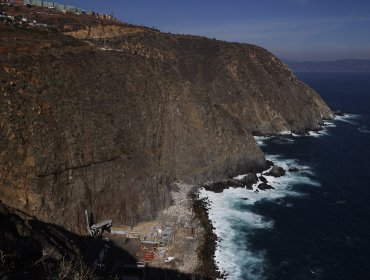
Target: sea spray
{"x":234,"y":219}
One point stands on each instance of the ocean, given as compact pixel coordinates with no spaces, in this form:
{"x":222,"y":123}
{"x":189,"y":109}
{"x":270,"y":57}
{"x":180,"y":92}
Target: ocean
{"x":316,"y":223}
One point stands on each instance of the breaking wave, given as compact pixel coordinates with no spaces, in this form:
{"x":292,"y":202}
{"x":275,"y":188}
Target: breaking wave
{"x":233,"y":218}
{"x":348,"y":118}
{"x":260,"y":140}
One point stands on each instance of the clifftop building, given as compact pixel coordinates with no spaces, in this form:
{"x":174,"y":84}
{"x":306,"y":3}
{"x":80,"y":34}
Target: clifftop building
{"x":57,"y":6}
{"x":48,"y":4}
{"x":16,"y":2}
{"x":42,"y":3}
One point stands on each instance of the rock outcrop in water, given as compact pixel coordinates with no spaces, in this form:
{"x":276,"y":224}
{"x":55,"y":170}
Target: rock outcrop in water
{"x":103,"y":116}
{"x":276,"y":171}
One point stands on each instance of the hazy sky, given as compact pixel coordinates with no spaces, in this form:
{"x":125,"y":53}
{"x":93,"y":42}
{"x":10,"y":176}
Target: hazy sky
{"x":291,"y":29}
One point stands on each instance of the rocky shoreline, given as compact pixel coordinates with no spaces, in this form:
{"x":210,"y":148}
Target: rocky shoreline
{"x":250,"y":179}
{"x":207,"y":248}
{"x":253,"y":181}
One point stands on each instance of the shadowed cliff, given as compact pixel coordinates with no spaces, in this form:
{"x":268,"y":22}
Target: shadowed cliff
{"x":104,"y":116}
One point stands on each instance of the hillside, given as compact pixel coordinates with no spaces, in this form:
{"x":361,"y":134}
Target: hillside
{"x":104,"y":116}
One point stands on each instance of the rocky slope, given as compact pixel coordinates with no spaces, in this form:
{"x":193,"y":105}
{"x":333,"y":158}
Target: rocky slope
{"x":30,"y":249}
{"x":105,"y":116}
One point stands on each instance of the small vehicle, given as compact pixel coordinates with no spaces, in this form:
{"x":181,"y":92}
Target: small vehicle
{"x":169,"y":259}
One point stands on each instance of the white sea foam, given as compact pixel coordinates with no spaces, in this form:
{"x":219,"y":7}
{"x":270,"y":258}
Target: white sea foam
{"x":318,"y":133}
{"x":233,"y":222}
{"x":348,"y":118}
{"x":285,"y":132}
{"x":232,"y":254}
{"x":240,"y":177}
{"x":261,"y":140}
{"x":288,"y":140}
{"x":283,"y":136}
{"x":329,"y":124}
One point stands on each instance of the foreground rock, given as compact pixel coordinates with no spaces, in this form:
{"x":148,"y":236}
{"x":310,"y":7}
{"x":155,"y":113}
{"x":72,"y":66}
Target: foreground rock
{"x":294,"y":169}
{"x":264,"y":186}
{"x":262,"y":179}
{"x":220,"y":186}
{"x":249,"y":179}
{"x":339,"y":113}
{"x":269,"y":164}
{"x":276,"y":171}
{"x":317,"y":128}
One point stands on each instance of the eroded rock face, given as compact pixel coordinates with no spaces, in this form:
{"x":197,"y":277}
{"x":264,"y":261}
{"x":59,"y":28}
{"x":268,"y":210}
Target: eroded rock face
{"x":108,"y":131}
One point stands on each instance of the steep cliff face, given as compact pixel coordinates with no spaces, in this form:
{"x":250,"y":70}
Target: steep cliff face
{"x":246,"y":81}
{"x":84,"y":126}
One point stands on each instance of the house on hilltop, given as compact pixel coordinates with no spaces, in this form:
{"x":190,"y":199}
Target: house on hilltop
{"x":53,"y":5}
{"x":60,"y":7}
{"x":16,"y":2}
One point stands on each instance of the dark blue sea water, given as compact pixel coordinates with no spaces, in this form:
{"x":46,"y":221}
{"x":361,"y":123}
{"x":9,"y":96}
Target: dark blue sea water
{"x":325,"y":234}
{"x":316,"y":224}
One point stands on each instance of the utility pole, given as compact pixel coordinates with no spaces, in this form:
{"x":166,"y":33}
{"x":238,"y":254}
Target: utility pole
{"x":88,"y":223}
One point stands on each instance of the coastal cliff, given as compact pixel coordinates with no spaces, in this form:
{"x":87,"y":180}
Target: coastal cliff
{"x":104,"y":116}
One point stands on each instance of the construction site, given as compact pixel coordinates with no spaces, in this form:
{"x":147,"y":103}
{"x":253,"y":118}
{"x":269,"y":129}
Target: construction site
{"x":168,"y":243}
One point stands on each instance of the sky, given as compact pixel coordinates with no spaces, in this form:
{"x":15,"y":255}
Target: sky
{"x":291,"y":29}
